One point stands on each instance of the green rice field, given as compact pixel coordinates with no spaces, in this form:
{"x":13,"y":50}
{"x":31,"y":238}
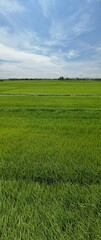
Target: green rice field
{"x":50,"y":160}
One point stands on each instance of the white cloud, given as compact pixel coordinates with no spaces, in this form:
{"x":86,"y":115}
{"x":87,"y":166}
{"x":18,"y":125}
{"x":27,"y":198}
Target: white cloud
{"x":24,"y":39}
{"x":62,"y":31}
{"x":83,"y":25}
{"x":72,"y":54}
{"x":24,"y":54}
{"x":8,"y":53}
{"x":9,"y":6}
{"x":22,"y":64}
{"x":94,"y":1}
{"x":17,"y":63}
{"x":98,"y":48}
{"x":66,"y":69}
{"x":46,"y":5}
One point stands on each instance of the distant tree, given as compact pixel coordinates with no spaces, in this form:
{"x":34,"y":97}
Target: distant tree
{"x":61,"y":78}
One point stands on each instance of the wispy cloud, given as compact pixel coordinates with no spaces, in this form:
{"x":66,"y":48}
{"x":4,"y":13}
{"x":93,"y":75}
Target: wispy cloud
{"x":46,"y":5}
{"x":72,"y":54}
{"x":63,"y":30}
{"x":8,"y":53}
{"x":25,"y":39}
{"x":94,"y":1}
{"x":76,"y":69}
{"x":83,"y":25}
{"x":10,"y":6}
{"x":66,"y":41}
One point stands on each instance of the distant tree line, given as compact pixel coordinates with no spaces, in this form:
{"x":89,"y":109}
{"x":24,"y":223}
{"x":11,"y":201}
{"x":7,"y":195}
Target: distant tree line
{"x":60,"y":78}
{"x":77,"y":78}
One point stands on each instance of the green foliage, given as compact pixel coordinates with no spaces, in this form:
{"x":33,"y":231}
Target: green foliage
{"x":50,"y":160}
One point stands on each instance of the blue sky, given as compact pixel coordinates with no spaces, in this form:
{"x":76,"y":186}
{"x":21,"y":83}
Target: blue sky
{"x":50,"y":38}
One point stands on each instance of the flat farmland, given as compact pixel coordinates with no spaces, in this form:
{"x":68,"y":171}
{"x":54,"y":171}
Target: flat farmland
{"x":50,"y":160}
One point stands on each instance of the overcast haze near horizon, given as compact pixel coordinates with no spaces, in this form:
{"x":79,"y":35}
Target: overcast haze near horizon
{"x":50,"y":38}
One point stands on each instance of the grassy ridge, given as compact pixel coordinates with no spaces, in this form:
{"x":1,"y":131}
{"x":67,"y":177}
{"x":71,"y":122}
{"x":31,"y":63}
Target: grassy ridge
{"x":50,"y":163}
{"x":51,"y":102}
{"x":50,"y":87}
